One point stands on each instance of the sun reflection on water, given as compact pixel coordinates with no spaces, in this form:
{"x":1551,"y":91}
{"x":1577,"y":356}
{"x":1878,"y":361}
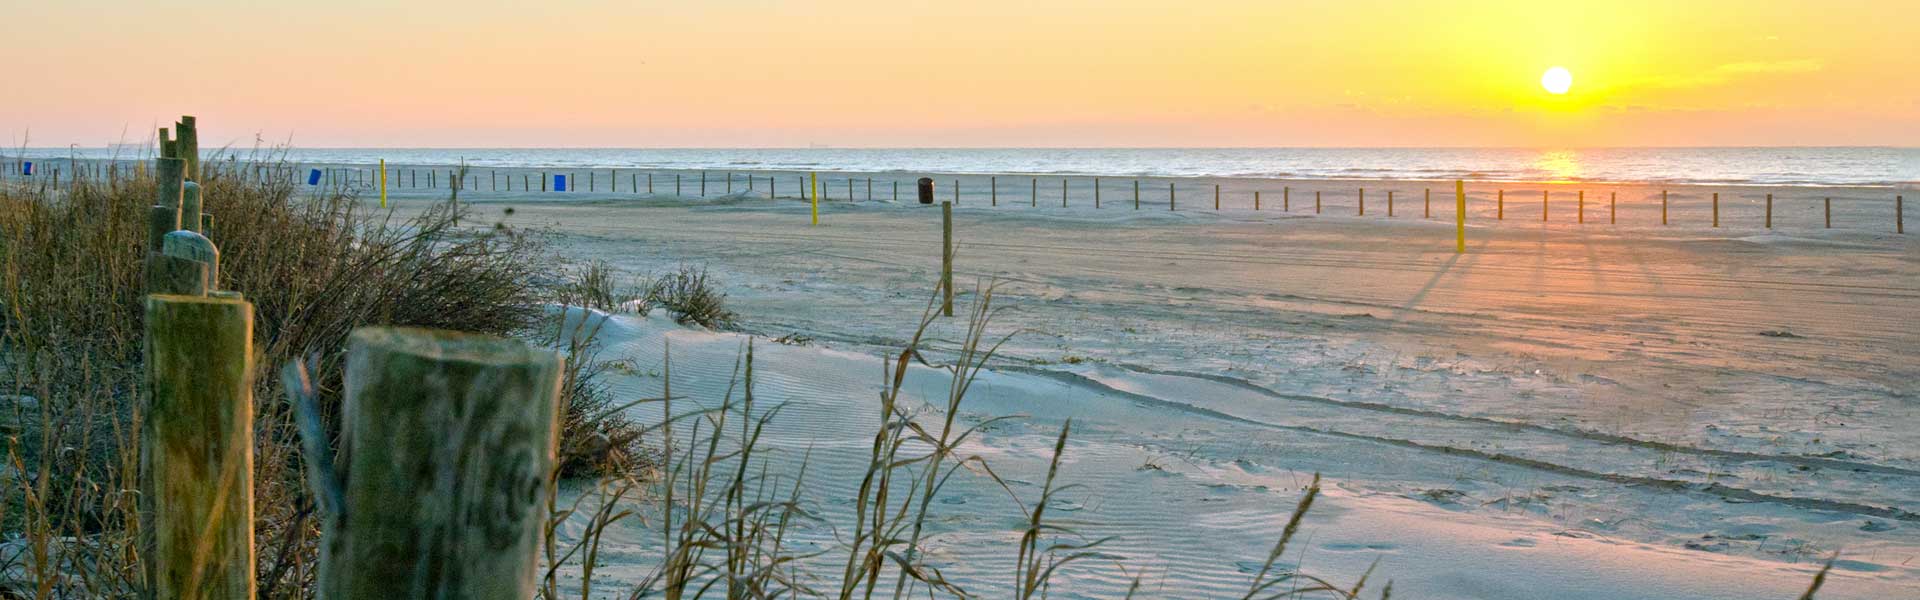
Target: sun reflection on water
{"x":1559,"y":165}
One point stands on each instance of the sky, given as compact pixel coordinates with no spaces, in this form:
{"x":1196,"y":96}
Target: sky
{"x":984,"y":73}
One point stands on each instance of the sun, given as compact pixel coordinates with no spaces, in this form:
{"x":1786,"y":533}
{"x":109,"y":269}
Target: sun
{"x":1556,"y":80}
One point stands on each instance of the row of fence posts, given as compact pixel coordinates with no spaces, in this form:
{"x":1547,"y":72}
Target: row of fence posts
{"x":568,"y":182}
{"x":342,"y":176}
{"x":447,"y":439}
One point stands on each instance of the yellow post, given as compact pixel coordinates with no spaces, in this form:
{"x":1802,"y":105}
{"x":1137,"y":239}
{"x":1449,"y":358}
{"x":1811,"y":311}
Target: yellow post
{"x":814,"y":182}
{"x":383,"y":183}
{"x":1459,"y":217}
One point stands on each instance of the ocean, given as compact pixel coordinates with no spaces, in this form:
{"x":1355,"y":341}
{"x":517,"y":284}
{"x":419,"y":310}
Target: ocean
{"x":1851,"y":166}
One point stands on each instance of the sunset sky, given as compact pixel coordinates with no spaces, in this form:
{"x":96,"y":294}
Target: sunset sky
{"x":728,"y":73}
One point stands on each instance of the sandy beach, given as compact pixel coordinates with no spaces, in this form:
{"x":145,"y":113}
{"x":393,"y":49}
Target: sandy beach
{"x":1677,"y":411}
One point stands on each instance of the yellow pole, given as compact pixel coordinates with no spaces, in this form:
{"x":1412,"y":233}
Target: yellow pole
{"x":1459,"y":217}
{"x":383,"y":183}
{"x":814,"y":179}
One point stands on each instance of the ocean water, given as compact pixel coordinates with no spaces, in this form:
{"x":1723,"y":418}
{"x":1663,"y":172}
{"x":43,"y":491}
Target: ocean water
{"x":1877,"y":166}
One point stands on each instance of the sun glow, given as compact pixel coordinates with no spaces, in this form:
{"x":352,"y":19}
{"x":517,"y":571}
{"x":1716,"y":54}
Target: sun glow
{"x":1557,"y":80}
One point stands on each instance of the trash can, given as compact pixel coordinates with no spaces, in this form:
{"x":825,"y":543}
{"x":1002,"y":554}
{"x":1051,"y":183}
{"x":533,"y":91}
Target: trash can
{"x":313,"y":177}
{"x":926,"y":190}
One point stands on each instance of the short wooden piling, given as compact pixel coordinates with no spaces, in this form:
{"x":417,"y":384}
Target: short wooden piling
{"x":1096,"y":192}
{"x":1460,"y":217}
{"x":946,"y":258}
{"x":1286,"y":199}
{"x":1500,"y":213}
{"x":1136,"y":194}
{"x":1663,"y":207}
{"x":993,"y":191}
{"x":1900,"y":214}
{"x":676,"y":184}
{"x":1716,"y":209}
{"x":196,"y":436}
{"x":1363,"y":202}
{"x":1063,"y":192}
{"x":703,"y":184}
{"x":447,"y":446}
{"x":1389,"y":204}
{"x":1316,"y":202}
{"x":1544,"y":207}
{"x":956,"y":192}
{"x":1216,"y":196}
{"x":1170,"y":195}
{"x":1613,"y":208}
{"x":190,"y":206}
{"x":896,"y":190}
{"x":1581,"y":208}
{"x":1427,"y":205}
{"x":1256,"y":200}
{"x":1033,"y":197}
{"x":1829,"y":205}
{"x":1769,"y":211}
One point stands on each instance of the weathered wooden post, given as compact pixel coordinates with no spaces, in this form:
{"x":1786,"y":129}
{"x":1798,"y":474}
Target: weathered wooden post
{"x":1136,"y":194}
{"x":1170,"y":196}
{"x":1316,"y":202}
{"x":1286,"y":199}
{"x":1427,"y":211}
{"x":1096,"y":192}
{"x":1829,"y":203}
{"x":956,"y":192}
{"x":1581,"y":208}
{"x":1716,"y":209}
{"x":676,"y":184}
{"x":1769,"y":211}
{"x":165,"y":216}
{"x":1216,"y":196}
{"x":1544,"y":207}
{"x":1500,"y":213}
{"x":1900,"y":214}
{"x":703,"y":184}
{"x":1613,"y":208}
{"x":447,"y":443}
{"x":196,"y":479}
{"x":1663,"y":207}
{"x":187,"y":145}
{"x":1033,"y":196}
{"x":1063,"y":192}
{"x":1389,"y":204}
{"x":946,"y":258}
{"x":190,"y":206}
{"x":1363,"y":202}
{"x":1256,"y":200}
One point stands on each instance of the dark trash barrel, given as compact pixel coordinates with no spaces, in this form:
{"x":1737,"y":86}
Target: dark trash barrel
{"x":926,"y":190}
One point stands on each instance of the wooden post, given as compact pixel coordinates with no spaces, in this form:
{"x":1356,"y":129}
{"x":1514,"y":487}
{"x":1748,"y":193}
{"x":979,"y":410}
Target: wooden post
{"x":1544,"y":207}
{"x":1900,"y":214}
{"x":190,"y":206}
{"x":171,"y":186}
{"x":1286,"y":199}
{"x":1170,"y":195}
{"x":1663,"y":207}
{"x":649,"y":184}
{"x":869,"y":189}
{"x":1033,"y":197}
{"x":1427,"y":211}
{"x":1829,"y":203}
{"x":814,"y":179}
{"x":1216,"y":196}
{"x":703,"y":184}
{"x":1500,"y":213}
{"x":1389,"y":204}
{"x":188,"y":148}
{"x":448,"y":443}
{"x":176,"y":275}
{"x":896,"y":190}
{"x":543,"y":181}
{"x":592,"y":181}
{"x":383,"y":183}
{"x":1256,"y":200}
{"x":1136,"y":194}
{"x":1581,"y":208}
{"x":1063,"y":192}
{"x":196,"y":438}
{"x":1096,"y":192}
{"x":1459,"y":217}
{"x":1769,"y":211}
{"x":1716,"y":209}
{"x":1316,"y":202}
{"x":993,"y":190}
{"x":956,"y":192}
{"x":1363,"y":202}
{"x":1613,"y":208}
{"x":676,"y":184}
{"x":946,"y":258}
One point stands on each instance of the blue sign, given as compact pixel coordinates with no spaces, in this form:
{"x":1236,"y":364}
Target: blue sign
{"x":559,"y":183}
{"x":313,"y":177}
{"x":26,"y":168}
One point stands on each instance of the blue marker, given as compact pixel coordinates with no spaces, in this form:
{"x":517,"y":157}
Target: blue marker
{"x":313,"y":177}
{"x":559,"y":183}
{"x":26,"y":169}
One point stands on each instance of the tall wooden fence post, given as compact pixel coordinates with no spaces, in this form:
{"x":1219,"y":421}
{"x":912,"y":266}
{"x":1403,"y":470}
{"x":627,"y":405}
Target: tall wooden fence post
{"x":197,"y":447}
{"x":946,"y":258}
{"x":448,"y":443}
{"x":1460,"y":217}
